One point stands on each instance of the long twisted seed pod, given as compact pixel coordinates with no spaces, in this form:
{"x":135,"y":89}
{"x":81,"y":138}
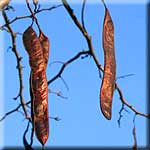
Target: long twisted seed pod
{"x":38,"y":85}
{"x":34,"y":49}
{"x":45,"y":45}
{"x":109,"y":77}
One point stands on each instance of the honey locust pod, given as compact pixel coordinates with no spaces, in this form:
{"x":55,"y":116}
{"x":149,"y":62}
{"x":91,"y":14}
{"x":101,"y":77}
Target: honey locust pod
{"x":38,"y":85}
{"x":109,"y":76}
{"x":40,"y":105}
{"x":45,"y":45}
{"x":34,"y":49}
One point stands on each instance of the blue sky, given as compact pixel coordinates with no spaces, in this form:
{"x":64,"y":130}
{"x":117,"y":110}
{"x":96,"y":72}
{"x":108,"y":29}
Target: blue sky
{"x":82,"y":123}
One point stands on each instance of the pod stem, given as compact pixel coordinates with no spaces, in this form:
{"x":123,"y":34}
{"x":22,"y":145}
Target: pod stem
{"x":33,"y":18}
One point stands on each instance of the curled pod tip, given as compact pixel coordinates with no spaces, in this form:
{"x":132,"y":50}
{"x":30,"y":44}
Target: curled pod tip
{"x":109,"y":77}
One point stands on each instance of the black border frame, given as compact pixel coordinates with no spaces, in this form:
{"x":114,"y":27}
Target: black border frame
{"x":148,"y":107}
{"x":148,"y":73}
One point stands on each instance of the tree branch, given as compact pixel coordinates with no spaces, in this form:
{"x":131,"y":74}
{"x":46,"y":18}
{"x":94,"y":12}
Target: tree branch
{"x":26,"y":145}
{"x":65,"y":65}
{"x":18,"y":58}
{"x":128,"y":105}
{"x":92,"y":53}
{"x":85,"y":34}
{"x":30,"y":16}
{"x":13,"y":110}
{"x":33,"y":15}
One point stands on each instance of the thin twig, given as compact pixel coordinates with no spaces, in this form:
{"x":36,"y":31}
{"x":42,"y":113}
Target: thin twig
{"x":18,"y":58}
{"x":124,"y":76}
{"x":67,"y":63}
{"x":29,"y":16}
{"x":104,"y":4}
{"x":32,"y":134}
{"x":32,"y":14}
{"x":63,"y":80}
{"x":35,"y":3}
{"x":13,"y":110}
{"x":74,"y":18}
{"x":120,"y":115}
{"x":56,"y":62}
{"x":82,"y":14}
{"x":128,"y":105}
{"x":58,"y":93}
{"x":55,"y":118}
{"x":48,"y":9}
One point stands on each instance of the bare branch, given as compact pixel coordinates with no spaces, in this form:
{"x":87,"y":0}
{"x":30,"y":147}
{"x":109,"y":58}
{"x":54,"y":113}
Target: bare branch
{"x":33,"y":15}
{"x":18,"y":58}
{"x":85,"y":34}
{"x":48,"y":9}
{"x":74,"y":18}
{"x":26,"y":145}
{"x":29,"y":16}
{"x":13,"y":110}
{"x":65,"y":65}
{"x":128,"y":105}
{"x":92,"y":53}
{"x":82,"y":54}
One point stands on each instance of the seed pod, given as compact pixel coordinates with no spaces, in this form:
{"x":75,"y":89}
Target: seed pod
{"x":109,"y":77}
{"x":45,"y":45}
{"x":38,"y":85}
{"x":34,"y":49}
{"x":40,"y":105}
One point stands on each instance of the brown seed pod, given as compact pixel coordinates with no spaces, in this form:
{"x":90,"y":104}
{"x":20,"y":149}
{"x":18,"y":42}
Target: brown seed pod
{"x":109,"y":77}
{"x":45,"y":45}
{"x":40,"y":105}
{"x":34,"y":49}
{"x":38,"y":85}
